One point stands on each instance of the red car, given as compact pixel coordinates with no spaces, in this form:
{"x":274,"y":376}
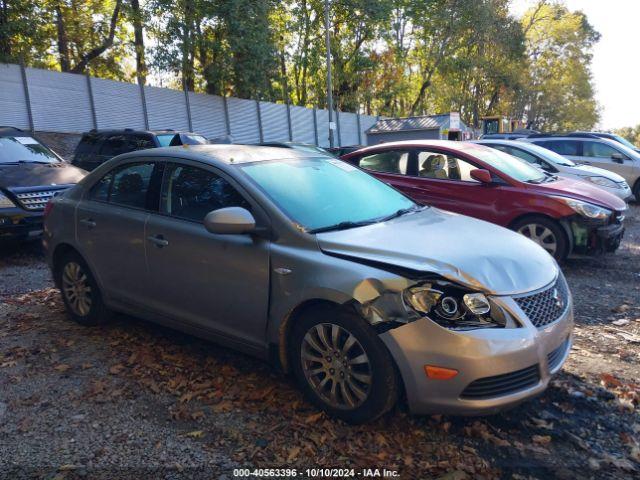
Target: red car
{"x":564,"y":216}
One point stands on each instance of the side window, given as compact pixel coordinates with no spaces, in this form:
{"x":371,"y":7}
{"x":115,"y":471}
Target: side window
{"x":562,"y":147}
{"x":527,"y":157}
{"x":140,"y":142}
{"x":596,"y":149}
{"x":115,"y":145}
{"x":386,"y":162}
{"x":444,"y":167}
{"x":100,"y":191}
{"x":191,"y":192}
{"x":130,"y":185}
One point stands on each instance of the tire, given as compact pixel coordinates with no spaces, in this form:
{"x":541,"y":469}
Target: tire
{"x":347,"y":367}
{"x":636,"y":191}
{"x":546,"y":232}
{"x":80,"y":292}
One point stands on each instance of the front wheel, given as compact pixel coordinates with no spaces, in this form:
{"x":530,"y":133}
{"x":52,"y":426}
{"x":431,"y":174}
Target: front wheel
{"x":545,"y":232}
{"x":342,"y":366}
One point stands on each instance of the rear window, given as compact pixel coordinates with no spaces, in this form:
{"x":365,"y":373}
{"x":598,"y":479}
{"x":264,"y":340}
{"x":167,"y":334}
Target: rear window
{"x":115,"y":145}
{"x":25,"y":149}
{"x":87,"y":144}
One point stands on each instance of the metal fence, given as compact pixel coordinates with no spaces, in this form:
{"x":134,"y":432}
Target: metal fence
{"x":44,"y":100}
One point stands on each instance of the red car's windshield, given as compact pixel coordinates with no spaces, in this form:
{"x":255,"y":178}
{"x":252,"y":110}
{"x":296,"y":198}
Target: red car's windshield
{"x":510,"y":165}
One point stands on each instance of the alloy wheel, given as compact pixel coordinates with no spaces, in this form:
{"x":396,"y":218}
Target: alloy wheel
{"x":542,"y":235}
{"x":76,"y":288}
{"x":336,"y":366}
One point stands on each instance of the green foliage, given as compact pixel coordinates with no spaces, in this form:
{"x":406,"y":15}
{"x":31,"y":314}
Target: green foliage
{"x":630,"y":133}
{"x":389,"y":57}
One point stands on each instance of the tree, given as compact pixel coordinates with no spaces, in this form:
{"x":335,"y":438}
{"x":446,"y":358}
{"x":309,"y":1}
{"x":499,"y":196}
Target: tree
{"x":630,"y":133}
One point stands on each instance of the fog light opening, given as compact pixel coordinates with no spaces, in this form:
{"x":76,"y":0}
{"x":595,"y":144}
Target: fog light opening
{"x":439,"y":373}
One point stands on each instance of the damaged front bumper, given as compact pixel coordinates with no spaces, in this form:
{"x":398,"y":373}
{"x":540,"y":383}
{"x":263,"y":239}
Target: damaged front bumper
{"x":591,"y":237}
{"x":497,"y":367}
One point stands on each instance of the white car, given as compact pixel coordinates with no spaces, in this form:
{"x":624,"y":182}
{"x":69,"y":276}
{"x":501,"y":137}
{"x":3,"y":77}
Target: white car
{"x":552,"y":162}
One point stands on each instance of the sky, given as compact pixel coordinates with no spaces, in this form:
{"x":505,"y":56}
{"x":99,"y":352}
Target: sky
{"x":616,"y":57}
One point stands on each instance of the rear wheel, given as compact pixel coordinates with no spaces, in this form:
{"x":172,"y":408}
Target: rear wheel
{"x":636,"y":190}
{"x":545,"y":232}
{"x":80,"y":292}
{"x":342,"y":366}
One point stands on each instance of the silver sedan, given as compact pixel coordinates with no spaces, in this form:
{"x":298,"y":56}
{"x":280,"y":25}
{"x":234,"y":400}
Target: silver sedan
{"x":307,"y":261}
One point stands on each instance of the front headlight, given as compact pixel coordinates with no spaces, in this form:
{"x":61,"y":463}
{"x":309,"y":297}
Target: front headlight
{"x":603,"y":182}
{"x":451,"y":306}
{"x":5,"y":202}
{"x":586,"y":209}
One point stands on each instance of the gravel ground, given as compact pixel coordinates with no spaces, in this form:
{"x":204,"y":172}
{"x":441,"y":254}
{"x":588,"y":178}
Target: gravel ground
{"x":135,"y":400}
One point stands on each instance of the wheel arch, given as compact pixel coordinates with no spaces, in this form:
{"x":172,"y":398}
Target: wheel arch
{"x":564,"y":225}
{"x":284,"y":331}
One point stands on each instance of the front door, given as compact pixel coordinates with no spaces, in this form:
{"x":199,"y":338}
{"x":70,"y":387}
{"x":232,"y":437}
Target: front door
{"x":605,"y":156}
{"x":219,"y":283}
{"x":110,"y":224}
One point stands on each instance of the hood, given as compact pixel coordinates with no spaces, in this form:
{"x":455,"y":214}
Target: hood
{"x":590,"y":170}
{"x":580,"y":190}
{"x":467,"y":251}
{"x":37,"y":174}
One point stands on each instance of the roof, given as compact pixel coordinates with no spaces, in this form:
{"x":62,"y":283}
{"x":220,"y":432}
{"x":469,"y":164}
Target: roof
{"x":230,"y":153}
{"x":424,"y":122}
{"x":135,"y":130}
{"x":444,"y":144}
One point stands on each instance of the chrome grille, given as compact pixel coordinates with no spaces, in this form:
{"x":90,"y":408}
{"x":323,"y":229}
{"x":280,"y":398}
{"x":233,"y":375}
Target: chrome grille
{"x":37,"y":199}
{"x":504,"y":384}
{"x":546,"y":307}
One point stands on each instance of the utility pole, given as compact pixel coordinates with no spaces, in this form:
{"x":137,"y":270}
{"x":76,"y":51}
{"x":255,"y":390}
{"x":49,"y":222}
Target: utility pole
{"x":332,"y":125}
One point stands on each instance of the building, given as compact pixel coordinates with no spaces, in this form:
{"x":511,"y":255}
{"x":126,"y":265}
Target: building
{"x":446,"y":126}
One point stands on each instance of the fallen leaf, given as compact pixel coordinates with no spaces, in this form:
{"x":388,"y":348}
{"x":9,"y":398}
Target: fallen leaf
{"x":116,"y":369}
{"x":313,"y":418}
{"x":195,"y":434}
{"x":541,"y":439}
{"x":293,"y":454}
{"x":62,"y":367}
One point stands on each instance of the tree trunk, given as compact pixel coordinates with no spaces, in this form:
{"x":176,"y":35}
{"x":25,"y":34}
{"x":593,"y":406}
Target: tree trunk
{"x":141,"y":65}
{"x":63,"y":40}
{"x":5,"y":39}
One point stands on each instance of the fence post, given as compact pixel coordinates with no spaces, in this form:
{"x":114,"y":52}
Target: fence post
{"x":289,"y":122}
{"x":143,"y":100}
{"x":188,"y":105}
{"x":259,"y":121}
{"x":315,"y":125}
{"x":227,"y":122}
{"x":27,"y":99}
{"x":359,"y":128}
{"x":92,"y":104}
{"x":338,"y":126}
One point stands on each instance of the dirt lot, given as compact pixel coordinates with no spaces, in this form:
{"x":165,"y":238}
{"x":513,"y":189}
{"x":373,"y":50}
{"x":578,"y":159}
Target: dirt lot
{"x":134,"y":400}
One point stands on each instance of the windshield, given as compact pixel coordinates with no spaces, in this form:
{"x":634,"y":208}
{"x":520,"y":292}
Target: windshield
{"x":25,"y":149}
{"x":191,"y":139}
{"x":510,"y":165}
{"x":311,"y":149}
{"x":318,"y":193}
{"x":549,"y":155}
{"x":165,"y":139}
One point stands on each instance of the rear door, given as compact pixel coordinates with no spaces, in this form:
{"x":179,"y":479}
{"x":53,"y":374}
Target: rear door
{"x":218,"y":283}
{"x":110,"y":223}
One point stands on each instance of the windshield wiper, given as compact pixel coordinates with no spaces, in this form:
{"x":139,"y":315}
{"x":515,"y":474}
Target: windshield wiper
{"x":20,"y":162}
{"x":342,"y":226}
{"x":403,"y":211}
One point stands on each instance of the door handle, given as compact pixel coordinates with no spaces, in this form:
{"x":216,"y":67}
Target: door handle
{"x":158,"y":240}
{"x":88,"y":222}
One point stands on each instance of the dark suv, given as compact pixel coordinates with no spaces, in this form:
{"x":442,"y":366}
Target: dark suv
{"x":30,"y":175}
{"x":98,"y":146}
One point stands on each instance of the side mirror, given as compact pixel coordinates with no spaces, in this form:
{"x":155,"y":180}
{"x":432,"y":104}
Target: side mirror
{"x":617,"y":157}
{"x":230,"y":220}
{"x":482,"y":175}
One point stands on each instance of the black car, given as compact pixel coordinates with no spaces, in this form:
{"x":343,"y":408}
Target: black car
{"x":98,"y":146}
{"x":30,"y":175}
